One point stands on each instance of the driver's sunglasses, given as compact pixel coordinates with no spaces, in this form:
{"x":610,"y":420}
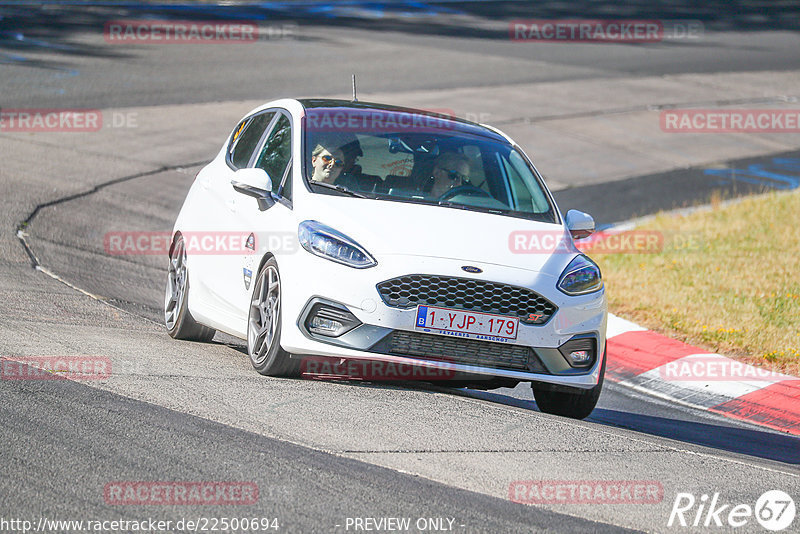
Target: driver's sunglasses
{"x":455,"y":175}
{"x":336,"y":162}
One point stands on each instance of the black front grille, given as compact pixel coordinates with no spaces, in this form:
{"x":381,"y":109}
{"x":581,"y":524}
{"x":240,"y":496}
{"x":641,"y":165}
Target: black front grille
{"x":466,"y":294}
{"x":463,"y":351}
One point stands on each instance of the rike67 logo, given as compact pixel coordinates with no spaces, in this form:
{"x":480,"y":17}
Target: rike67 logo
{"x":774,"y":510}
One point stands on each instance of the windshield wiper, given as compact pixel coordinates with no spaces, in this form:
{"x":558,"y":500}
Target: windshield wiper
{"x":483,"y":209}
{"x":338,"y":188}
{"x":449,"y":204}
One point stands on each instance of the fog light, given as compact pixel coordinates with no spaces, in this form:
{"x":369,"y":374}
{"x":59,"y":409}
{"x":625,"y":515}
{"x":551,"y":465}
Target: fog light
{"x":330,"y":321}
{"x":580,"y":357}
{"x":579,"y":351}
{"x":321,"y":325}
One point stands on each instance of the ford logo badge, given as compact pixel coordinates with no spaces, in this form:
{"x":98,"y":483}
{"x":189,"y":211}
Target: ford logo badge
{"x":471,"y":269}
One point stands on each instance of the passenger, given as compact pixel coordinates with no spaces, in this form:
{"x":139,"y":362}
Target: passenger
{"x":450,"y":170}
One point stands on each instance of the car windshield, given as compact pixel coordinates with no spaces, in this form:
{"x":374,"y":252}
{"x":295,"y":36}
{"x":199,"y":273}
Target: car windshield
{"x":407,"y":157}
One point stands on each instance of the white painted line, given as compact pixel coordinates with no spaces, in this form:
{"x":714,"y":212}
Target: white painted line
{"x":704,"y":394}
{"x":705,"y":379}
{"x":617,"y":326}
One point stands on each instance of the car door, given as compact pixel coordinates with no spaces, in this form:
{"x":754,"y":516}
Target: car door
{"x":215,"y":222}
{"x":272,"y":228}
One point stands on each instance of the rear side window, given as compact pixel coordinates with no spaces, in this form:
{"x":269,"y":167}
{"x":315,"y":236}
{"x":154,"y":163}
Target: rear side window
{"x":277,"y":151}
{"x":246,"y":138}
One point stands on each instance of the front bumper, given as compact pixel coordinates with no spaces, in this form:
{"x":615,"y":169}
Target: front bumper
{"x":387,"y":334}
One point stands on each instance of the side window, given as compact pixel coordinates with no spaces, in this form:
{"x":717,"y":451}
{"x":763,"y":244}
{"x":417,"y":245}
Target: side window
{"x":246,"y":137}
{"x":286,"y":192}
{"x":277,"y":151}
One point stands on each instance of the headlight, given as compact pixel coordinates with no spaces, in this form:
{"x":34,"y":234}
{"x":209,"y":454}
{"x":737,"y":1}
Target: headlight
{"x":331,"y":244}
{"x":581,"y":276}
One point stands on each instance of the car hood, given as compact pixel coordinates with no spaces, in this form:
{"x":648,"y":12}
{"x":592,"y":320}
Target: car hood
{"x":401,"y":228}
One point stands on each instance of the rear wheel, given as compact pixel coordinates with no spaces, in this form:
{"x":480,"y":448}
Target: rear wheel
{"x":577,"y":404}
{"x":264,"y":325}
{"x":179,"y":322}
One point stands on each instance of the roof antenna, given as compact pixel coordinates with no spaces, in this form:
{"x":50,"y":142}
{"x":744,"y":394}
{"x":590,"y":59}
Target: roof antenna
{"x":354,"y":89}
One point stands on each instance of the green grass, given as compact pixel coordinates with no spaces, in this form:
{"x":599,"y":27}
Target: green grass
{"x":727,"y":280}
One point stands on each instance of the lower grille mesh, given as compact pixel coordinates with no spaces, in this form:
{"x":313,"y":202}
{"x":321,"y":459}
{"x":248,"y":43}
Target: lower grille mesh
{"x":464,"y":351}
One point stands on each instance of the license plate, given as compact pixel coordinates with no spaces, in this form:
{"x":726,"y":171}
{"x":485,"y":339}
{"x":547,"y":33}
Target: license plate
{"x":467,"y":324}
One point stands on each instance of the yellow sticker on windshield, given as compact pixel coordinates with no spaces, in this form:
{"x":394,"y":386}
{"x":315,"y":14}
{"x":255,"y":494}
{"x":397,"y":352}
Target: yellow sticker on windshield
{"x":239,"y":130}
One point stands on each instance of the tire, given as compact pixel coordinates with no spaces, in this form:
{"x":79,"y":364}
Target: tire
{"x":264,"y":325}
{"x":179,"y":322}
{"x":576,"y":404}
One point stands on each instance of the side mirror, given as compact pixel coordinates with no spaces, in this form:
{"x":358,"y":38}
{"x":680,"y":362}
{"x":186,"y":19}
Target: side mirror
{"x":255,"y":183}
{"x":579,"y":224}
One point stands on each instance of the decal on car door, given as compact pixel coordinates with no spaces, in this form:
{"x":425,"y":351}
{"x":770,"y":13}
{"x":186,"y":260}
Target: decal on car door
{"x":248,"y":277}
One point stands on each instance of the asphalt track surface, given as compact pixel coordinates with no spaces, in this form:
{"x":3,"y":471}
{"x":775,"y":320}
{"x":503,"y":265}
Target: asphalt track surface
{"x":319,"y":451}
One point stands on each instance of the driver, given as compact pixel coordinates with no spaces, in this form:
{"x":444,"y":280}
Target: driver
{"x":327,"y":161}
{"x":450,"y":170}
{"x":333,"y":159}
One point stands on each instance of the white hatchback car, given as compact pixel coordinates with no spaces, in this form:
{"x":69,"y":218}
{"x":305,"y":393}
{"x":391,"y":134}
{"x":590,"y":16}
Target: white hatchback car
{"x":367,"y":233}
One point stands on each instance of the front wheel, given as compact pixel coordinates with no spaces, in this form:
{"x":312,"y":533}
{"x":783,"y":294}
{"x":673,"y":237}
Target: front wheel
{"x":264,"y":325}
{"x":577,"y":405}
{"x":179,"y":322}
